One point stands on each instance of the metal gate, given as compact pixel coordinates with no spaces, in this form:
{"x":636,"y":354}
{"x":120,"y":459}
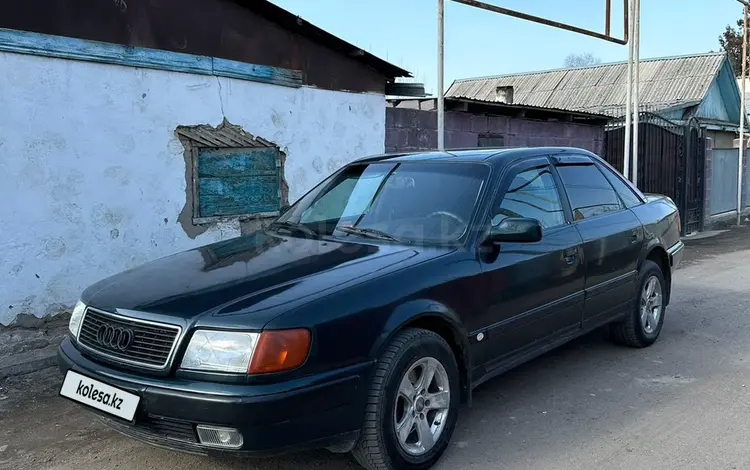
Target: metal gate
{"x":724,"y":169}
{"x":692,"y":178}
{"x":670,"y":162}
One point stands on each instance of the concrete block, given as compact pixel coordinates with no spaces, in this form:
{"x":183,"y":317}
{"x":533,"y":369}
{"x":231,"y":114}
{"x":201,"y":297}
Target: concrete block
{"x":411,"y":137}
{"x":526,"y":127}
{"x":466,"y":121}
{"x":392,"y":135}
{"x":427,"y":139}
{"x":412,"y":117}
{"x":390,"y":118}
{"x":427,"y":120}
{"x":405,"y":118}
{"x":451,"y":122}
{"x":551,"y":128}
{"x":516,"y":141}
{"x":498,"y":124}
{"x":29,"y":361}
{"x":515,"y":126}
{"x":581,"y":131}
{"x":460,"y":140}
{"x":479,"y":124}
{"x":541,"y":141}
{"x":458,"y":121}
{"x":25,"y":350}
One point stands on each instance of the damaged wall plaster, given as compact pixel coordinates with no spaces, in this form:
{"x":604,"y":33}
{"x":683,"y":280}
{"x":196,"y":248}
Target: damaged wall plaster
{"x":93,"y":175}
{"x":229,"y":136}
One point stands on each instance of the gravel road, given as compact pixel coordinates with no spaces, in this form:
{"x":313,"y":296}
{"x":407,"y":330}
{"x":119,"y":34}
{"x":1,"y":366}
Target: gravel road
{"x":680,"y":404}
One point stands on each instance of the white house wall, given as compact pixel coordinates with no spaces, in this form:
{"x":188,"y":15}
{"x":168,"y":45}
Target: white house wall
{"x":92,"y":177}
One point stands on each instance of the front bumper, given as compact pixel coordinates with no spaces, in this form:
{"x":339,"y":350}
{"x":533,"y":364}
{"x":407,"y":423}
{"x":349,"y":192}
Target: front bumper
{"x":310,"y":412}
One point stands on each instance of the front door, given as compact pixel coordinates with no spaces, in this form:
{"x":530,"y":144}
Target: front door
{"x":534,"y":290}
{"x":612,"y":240}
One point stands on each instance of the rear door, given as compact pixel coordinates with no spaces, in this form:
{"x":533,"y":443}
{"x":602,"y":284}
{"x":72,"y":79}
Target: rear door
{"x":535,"y":290}
{"x":612,"y":239}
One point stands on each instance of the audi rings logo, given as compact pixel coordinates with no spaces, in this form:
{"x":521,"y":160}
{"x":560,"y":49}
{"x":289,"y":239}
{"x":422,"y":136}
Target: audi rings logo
{"x":115,"y":337}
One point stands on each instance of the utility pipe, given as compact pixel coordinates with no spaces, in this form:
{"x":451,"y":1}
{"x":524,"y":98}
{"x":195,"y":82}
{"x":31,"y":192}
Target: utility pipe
{"x":636,"y":87}
{"x":440,"y":84}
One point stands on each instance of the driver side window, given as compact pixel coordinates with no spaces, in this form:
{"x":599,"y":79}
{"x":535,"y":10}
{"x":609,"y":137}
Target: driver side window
{"x":533,"y":194}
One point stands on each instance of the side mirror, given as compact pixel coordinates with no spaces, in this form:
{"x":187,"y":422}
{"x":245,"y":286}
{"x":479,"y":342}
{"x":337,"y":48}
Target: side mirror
{"x":283,"y":209}
{"x":516,"y":229}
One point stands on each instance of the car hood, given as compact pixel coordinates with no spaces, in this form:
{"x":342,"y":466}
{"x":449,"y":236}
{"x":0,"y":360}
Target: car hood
{"x":246,"y":275}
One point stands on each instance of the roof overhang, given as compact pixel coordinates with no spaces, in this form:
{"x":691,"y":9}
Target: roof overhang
{"x":292,"y":22}
{"x":488,"y":107}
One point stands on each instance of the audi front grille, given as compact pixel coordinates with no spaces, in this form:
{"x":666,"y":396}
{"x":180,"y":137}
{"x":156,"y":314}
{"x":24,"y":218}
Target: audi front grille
{"x":128,"y":340}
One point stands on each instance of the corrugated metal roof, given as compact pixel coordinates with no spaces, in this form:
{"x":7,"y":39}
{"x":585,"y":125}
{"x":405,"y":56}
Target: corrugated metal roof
{"x":226,"y":135}
{"x":601,"y":89}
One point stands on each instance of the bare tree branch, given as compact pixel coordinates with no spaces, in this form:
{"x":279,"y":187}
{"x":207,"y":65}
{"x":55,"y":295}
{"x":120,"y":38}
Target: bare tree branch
{"x":581,"y":60}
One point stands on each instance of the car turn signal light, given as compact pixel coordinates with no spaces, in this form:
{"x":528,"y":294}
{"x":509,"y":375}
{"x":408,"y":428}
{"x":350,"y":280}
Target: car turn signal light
{"x":280,"y":350}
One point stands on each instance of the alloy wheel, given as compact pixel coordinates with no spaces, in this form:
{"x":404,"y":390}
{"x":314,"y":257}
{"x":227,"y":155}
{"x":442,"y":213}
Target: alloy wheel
{"x":422,"y":406}
{"x":651,"y":304}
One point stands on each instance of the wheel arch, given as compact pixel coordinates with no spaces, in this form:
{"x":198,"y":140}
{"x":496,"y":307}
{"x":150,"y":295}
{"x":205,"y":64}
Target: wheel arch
{"x":435,"y":317}
{"x":659,"y":255}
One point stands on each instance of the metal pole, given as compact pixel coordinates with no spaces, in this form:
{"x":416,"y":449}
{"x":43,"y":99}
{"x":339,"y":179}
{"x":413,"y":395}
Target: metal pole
{"x":440,"y":85}
{"x":741,"y":153}
{"x":629,"y":98}
{"x":539,"y":19}
{"x":636,"y":87}
{"x":607,"y":15}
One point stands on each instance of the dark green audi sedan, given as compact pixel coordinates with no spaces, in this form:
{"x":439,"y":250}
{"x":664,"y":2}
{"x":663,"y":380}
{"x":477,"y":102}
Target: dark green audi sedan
{"x":364,"y":316}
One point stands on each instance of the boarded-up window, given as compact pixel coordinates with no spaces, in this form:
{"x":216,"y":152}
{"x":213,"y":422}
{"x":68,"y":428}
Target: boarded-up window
{"x":232,"y":173}
{"x":237,"y":181}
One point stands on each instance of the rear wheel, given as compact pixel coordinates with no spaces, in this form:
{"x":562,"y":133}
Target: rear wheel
{"x":412,"y":404}
{"x":643,"y":325}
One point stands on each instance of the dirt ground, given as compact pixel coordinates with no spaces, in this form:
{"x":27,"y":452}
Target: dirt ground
{"x":683,"y":403}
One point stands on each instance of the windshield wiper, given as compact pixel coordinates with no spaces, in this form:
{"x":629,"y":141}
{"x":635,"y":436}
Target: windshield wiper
{"x":368,"y":232}
{"x":295,"y":227}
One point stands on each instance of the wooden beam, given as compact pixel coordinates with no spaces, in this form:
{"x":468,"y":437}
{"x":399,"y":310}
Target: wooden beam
{"x":47,"y":45}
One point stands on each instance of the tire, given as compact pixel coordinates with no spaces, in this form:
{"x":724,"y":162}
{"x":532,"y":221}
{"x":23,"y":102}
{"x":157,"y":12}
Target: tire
{"x":412,"y":351}
{"x":634,"y":331}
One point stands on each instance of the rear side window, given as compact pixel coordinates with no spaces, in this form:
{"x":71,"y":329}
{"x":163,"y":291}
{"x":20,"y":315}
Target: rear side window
{"x":589,"y":191}
{"x":623,"y":190}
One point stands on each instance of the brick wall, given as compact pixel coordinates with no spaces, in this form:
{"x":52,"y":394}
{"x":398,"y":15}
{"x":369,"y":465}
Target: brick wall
{"x":412,"y":129}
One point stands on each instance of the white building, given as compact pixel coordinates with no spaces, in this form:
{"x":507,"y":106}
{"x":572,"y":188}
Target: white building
{"x":112,"y":155}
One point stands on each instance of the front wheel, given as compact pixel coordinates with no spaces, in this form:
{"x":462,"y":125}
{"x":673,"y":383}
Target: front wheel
{"x":643,"y":325}
{"x":412,"y":404}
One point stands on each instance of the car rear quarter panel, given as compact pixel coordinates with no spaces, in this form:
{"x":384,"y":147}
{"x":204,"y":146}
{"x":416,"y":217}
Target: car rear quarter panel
{"x":659,"y":218}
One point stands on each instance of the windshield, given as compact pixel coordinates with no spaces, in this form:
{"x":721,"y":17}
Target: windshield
{"x":410,"y":202}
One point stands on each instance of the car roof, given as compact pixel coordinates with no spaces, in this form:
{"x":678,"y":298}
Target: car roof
{"x":494,"y":156}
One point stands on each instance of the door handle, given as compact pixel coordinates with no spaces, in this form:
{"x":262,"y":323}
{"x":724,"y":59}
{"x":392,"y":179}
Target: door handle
{"x":633,"y":236}
{"x":570,"y":255}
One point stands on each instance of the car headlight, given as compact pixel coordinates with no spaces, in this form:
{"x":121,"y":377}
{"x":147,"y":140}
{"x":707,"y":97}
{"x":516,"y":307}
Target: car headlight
{"x":220,"y":351}
{"x":76,"y":318}
{"x":246,"y":353}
